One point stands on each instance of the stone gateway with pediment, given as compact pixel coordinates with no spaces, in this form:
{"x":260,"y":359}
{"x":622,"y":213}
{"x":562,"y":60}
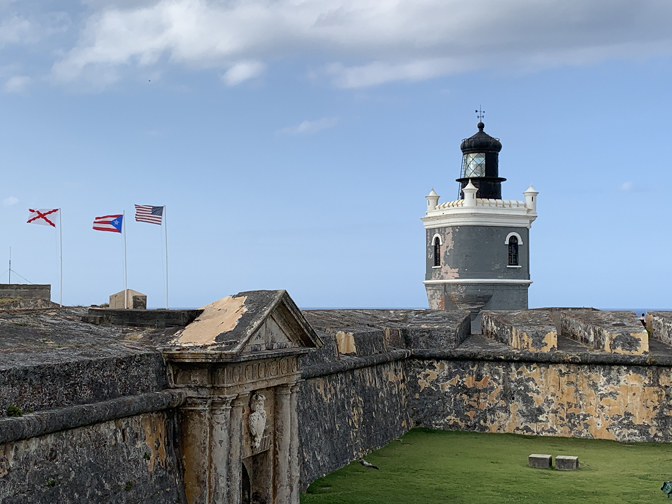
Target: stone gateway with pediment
{"x":238,"y":363}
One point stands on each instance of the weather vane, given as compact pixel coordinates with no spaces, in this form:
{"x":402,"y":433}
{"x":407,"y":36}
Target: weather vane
{"x":480,"y":114}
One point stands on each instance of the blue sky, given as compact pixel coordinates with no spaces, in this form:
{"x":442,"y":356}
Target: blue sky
{"x":293,"y":142}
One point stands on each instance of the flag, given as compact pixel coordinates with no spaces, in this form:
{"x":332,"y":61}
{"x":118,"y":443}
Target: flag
{"x":110,"y":223}
{"x":149,"y":213}
{"x":43,"y":217}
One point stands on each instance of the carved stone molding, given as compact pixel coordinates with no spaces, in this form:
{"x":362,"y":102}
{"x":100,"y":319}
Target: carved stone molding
{"x":248,"y":372}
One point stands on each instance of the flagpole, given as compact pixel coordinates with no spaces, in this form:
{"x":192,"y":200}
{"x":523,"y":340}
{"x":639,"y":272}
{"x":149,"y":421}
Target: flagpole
{"x":165,"y":229}
{"x":123,"y":224}
{"x":60,"y":242}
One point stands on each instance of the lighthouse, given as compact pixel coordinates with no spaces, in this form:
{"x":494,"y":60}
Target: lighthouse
{"x":478,"y":246}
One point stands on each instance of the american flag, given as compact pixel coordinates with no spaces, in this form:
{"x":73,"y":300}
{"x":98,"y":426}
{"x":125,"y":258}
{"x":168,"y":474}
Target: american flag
{"x":149,"y":213}
{"x":110,"y":223}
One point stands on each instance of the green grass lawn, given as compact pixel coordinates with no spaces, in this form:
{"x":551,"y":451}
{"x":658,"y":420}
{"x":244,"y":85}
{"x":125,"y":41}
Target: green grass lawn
{"x":464,"y":467}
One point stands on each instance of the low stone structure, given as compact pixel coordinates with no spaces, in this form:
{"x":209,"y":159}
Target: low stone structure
{"x":25,"y":291}
{"x":141,"y":318}
{"x":659,"y":323}
{"x":539,"y":461}
{"x":134,"y":300}
{"x":566,"y":463}
{"x":618,"y":332}
{"x":532,"y":330}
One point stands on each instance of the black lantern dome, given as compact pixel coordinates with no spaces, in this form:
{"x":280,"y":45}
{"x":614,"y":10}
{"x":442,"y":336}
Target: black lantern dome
{"x":480,"y":164}
{"x":480,"y":142}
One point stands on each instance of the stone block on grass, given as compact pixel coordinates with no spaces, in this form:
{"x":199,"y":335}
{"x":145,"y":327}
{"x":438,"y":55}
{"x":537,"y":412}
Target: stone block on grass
{"x":539,"y":461}
{"x":566,"y":463}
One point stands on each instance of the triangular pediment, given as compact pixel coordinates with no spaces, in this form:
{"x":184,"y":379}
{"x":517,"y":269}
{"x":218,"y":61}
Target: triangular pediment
{"x":250,"y":322}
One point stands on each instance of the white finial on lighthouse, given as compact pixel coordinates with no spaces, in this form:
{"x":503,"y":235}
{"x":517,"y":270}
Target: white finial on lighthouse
{"x":469,"y":191}
{"x":432,"y":200}
{"x":531,"y":198}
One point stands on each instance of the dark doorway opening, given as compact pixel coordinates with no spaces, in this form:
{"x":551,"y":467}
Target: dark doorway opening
{"x":245,"y":498}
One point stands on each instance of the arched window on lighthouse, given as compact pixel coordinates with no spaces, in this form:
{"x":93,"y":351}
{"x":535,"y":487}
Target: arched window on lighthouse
{"x":513,"y":251}
{"x":437,"y":251}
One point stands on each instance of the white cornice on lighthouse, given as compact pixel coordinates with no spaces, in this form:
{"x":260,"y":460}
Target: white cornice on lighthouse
{"x":472,"y":211}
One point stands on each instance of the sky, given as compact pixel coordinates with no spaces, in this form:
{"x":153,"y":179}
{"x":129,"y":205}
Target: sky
{"x":293,"y":143}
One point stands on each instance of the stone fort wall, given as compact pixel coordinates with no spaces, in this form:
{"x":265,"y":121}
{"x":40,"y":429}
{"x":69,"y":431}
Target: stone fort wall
{"x":376,"y":388}
{"x":104,"y":427}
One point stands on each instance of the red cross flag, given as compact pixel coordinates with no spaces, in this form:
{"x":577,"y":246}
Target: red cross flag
{"x":43,"y":217}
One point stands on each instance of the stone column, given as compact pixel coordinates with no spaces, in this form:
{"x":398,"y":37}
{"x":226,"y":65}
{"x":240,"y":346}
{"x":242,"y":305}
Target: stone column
{"x":195,"y":447}
{"x":294,"y":466}
{"x":236,"y":449}
{"x":219,"y":454}
{"x":283,"y":434}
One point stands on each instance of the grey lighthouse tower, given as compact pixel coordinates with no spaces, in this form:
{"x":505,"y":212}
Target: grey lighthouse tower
{"x":478,"y":246}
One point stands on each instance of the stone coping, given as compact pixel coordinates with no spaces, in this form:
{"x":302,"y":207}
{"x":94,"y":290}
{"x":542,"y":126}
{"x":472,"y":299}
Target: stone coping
{"x":190,"y":355}
{"x":141,"y":318}
{"x":350,"y":363}
{"x":557,"y":357}
{"x":56,"y":420}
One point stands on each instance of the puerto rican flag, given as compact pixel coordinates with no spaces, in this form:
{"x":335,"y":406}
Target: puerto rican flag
{"x":110,"y":223}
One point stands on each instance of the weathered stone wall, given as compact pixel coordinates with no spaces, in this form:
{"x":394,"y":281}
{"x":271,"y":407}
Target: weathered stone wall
{"x":476,"y":252}
{"x":352,"y":401}
{"x":354,"y":396}
{"x":617,"y":332}
{"x":78,"y":377}
{"x":600,"y":401}
{"x":130,"y":460}
{"x":25,"y":291}
{"x":345,"y":415}
{"x":104,"y":427}
{"x":486,"y":296}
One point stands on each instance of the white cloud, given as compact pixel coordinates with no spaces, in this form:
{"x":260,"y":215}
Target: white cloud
{"x":241,"y":72}
{"x":626,"y":186}
{"x":14,"y":30}
{"x":379,"y":72}
{"x":307,"y":127}
{"x":368,"y":42}
{"x":11,"y":200}
{"x":17,"y":83}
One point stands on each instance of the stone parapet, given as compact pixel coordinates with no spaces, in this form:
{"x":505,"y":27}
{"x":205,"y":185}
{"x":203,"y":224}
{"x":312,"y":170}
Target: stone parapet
{"x":49,"y":421}
{"x":400,"y":328}
{"x":659,"y":323}
{"x":141,"y":318}
{"x":78,"y":377}
{"x":522,"y":329}
{"x":27,"y":304}
{"x":25,"y":291}
{"x":618,"y":332}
